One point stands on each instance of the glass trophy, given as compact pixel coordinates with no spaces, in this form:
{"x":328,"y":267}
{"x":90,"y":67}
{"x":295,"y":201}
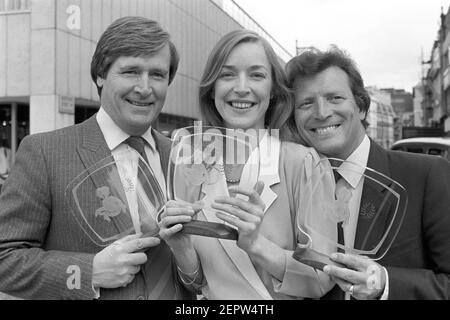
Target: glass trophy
{"x":327,"y":206}
{"x":204,"y":162}
{"x":116,"y":197}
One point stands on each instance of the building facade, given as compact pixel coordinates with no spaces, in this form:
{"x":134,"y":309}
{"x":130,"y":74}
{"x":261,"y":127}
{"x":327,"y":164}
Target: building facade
{"x":383,"y":127}
{"x":418,"y":98}
{"x":402,"y":103}
{"x":46,"y":48}
{"x":436,"y":82}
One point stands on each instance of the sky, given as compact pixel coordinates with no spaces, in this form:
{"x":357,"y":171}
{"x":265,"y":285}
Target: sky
{"x":386,"y":38}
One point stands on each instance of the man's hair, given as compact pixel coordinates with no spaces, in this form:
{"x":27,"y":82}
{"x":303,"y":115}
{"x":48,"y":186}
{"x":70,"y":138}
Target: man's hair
{"x":314,"y":61}
{"x":130,"y":37}
{"x":281,"y":102}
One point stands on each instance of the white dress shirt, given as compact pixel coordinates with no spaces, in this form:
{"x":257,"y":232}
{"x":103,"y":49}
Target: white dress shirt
{"x":355,"y":181}
{"x":115,"y":139}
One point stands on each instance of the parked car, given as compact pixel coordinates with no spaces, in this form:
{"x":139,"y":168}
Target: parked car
{"x":428,"y":145}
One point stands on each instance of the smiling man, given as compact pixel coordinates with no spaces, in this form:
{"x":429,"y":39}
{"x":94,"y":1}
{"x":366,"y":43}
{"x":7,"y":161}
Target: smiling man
{"x":327,"y":114}
{"x":331,"y":105}
{"x":132,"y":67}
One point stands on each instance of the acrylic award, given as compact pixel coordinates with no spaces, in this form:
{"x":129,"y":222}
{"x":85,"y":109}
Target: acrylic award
{"x":116,"y":197}
{"x":329,"y":207}
{"x":204,"y":162}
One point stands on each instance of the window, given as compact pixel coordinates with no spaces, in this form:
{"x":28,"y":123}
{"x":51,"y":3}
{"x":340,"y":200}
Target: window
{"x":415,"y":150}
{"x":436,"y":152}
{"x":84,"y":112}
{"x":14,"y":5}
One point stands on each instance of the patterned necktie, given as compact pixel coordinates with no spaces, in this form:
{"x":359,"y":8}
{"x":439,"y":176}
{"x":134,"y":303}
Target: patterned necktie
{"x":340,"y":229}
{"x":150,"y":186}
{"x":336,"y":293}
{"x":137,"y":143}
{"x":159,"y":271}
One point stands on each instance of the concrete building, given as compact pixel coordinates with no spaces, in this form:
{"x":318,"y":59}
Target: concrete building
{"x":433,"y":82}
{"x":402,"y":103}
{"x":46,"y":48}
{"x":418,"y":98}
{"x":381,"y":117}
{"x":437,"y":79}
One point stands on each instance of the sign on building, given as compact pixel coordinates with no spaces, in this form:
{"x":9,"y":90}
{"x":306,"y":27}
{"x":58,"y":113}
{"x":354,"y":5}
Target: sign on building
{"x":66,"y":104}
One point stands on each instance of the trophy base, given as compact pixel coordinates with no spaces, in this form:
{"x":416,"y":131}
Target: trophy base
{"x":210,"y":229}
{"x":314,"y":258}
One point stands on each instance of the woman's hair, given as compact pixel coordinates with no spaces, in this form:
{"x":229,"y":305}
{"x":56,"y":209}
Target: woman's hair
{"x":281,"y":102}
{"x":130,"y":37}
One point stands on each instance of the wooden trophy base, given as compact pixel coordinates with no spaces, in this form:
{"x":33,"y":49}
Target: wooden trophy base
{"x":314,"y":258}
{"x":210,"y":229}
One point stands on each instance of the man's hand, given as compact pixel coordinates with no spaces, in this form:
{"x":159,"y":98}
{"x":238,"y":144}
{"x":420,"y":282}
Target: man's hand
{"x":364,"y":279}
{"x":117,"y":264}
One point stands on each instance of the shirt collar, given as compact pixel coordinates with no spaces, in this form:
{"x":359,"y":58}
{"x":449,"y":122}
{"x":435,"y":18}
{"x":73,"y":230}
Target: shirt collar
{"x":114,"y":135}
{"x":358,"y":157}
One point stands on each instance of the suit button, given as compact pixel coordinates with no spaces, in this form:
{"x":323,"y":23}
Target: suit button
{"x":140,"y":298}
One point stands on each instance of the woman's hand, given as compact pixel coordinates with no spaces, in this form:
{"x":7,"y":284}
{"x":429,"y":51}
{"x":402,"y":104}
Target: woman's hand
{"x":245,"y":215}
{"x":175,"y":214}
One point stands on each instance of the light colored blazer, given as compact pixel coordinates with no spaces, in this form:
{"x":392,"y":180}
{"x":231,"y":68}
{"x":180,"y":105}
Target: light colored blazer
{"x":41,"y":243}
{"x":229,"y":272}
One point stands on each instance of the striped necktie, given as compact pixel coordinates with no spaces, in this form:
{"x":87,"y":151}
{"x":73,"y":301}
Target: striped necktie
{"x":336,"y":293}
{"x":150,"y":186}
{"x":340,"y":229}
{"x":137,"y":143}
{"x":159,"y":271}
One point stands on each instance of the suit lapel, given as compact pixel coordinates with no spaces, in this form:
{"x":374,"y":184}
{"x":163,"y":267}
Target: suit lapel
{"x":241,"y":260}
{"x":269,"y":168}
{"x":238,"y":256}
{"x":371,"y":220}
{"x":163,"y":145}
{"x":92,"y":149}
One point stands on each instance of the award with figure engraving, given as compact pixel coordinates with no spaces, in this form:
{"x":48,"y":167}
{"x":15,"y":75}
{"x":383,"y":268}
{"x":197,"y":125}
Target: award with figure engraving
{"x":116,"y":197}
{"x":204,"y":162}
{"x":348,"y":208}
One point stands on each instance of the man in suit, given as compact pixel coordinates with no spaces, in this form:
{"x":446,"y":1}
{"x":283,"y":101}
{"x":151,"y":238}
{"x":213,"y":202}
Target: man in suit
{"x":331,"y":105}
{"x":44,"y":253}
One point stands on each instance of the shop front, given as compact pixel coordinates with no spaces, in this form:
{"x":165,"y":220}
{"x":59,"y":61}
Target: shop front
{"x":14,"y":126}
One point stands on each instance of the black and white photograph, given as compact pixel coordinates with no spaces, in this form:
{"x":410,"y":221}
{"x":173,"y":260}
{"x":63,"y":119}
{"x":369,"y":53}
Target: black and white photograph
{"x":219,"y":155}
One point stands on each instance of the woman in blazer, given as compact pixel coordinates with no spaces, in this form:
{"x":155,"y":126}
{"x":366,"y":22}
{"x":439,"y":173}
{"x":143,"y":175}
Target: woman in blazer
{"x":244,"y":87}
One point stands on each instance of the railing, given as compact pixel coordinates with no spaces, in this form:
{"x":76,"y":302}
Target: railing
{"x":14,"y":5}
{"x":246,"y":21}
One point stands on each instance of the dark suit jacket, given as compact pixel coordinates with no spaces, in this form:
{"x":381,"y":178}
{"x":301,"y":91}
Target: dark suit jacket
{"x":39,"y":237}
{"x":418,"y":262}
